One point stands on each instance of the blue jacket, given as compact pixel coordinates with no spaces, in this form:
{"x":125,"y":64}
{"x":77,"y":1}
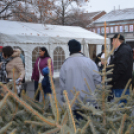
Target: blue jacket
{"x":45,"y":82}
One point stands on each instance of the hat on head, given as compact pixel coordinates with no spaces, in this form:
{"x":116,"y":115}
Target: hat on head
{"x":121,"y":37}
{"x":1,"y":47}
{"x":45,"y":71}
{"x":74,"y":46}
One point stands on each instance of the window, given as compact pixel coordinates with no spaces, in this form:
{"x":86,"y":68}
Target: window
{"x":94,"y":30}
{"x":98,"y":30}
{"x":116,"y":29}
{"x":126,"y":28}
{"x":111,"y":29}
{"x":59,"y":57}
{"x":131,"y":28}
{"x":107,"y":29}
{"x":102,"y":30}
{"x":35,"y":55}
{"x":121,"y":28}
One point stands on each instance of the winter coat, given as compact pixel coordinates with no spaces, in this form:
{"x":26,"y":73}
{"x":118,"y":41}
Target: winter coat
{"x":123,"y":65}
{"x":46,"y":82}
{"x":1,"y":57}
{"x":73,"y":72}
{"x":43,"y":64}
{"x":15,"y":63}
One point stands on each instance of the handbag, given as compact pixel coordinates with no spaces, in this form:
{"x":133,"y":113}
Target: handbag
{"x":40,"y":74}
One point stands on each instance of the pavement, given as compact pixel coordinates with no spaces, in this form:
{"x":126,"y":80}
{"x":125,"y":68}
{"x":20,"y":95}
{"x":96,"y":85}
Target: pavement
{"x":30,"y":89}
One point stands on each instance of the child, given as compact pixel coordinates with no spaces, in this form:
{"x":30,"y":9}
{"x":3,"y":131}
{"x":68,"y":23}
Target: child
{"x":46,"y":82}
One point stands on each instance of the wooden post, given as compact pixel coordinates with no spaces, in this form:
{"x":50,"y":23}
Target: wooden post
{"x":103,"y":80}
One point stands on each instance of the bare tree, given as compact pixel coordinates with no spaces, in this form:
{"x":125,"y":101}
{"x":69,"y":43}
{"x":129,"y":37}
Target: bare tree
{"x":67,"y":12}
{"x":60,"y":12}
{"x":77,"y":19}
{"x":25,"y":10}
{"x":45,"y":8}
{"x":16,"y":10}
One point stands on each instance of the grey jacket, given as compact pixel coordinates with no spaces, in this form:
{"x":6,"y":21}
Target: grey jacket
{"x":72,"y":74}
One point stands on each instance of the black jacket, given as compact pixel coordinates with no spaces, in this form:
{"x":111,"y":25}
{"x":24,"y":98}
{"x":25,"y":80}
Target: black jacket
{"x":123,"y":65}
{"x":46,"y":85}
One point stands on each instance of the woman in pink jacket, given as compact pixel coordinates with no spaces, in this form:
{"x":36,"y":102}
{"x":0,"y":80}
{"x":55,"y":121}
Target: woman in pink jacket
{"x":40,"y":63}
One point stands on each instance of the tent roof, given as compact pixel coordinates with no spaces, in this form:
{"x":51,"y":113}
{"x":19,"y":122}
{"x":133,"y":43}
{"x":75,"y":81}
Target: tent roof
{"x":20,"y":32}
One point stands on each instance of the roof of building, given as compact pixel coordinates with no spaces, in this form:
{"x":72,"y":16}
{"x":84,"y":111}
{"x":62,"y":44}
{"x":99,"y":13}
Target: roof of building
{"x":91,"y":15}
{"x":117,"y":15}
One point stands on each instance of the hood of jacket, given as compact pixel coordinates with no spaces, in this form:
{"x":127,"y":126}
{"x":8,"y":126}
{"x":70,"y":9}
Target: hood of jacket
{"x":16,"y":53}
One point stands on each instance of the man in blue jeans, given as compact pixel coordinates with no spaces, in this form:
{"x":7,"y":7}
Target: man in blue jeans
{"x":122,"y":59}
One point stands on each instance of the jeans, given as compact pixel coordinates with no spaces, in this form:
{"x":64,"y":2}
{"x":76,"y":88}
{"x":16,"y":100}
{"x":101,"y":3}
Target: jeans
{"x":78,"y":116}
{"x":38,"y":95}
{"x":35,"y":88}
{"x":118,"y":93}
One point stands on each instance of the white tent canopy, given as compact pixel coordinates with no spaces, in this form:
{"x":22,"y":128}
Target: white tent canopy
{"x":30,"y":35}
{"x":20,"y":32}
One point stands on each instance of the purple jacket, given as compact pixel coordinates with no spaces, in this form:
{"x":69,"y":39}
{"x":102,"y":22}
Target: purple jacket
{"x":43,"y":64}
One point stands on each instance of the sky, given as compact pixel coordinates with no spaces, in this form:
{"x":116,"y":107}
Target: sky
{"x":108,"y":5}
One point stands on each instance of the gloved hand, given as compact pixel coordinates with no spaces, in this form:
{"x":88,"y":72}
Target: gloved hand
{"x":18,"y":81}
{"x":99,"y":64}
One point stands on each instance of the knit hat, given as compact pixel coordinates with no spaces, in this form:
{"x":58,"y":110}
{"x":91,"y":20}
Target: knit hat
{"x":74,"y":46}
{"x":45,"y":71}
{"x":121,"y":37}
{"x":1,"y":47}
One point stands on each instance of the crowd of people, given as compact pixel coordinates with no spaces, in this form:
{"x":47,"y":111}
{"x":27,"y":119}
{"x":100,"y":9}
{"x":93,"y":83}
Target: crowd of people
{"x":75,"y":69}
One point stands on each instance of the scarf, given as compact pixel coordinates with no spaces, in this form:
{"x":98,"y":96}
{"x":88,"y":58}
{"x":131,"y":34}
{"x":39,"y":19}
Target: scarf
{"x":3,"y":73}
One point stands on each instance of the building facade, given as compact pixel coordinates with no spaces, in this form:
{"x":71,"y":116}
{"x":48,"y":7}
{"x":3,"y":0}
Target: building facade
{"x":118,"y":21}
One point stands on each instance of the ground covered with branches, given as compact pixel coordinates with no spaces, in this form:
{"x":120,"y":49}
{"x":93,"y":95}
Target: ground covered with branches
{"x":27,"y":116}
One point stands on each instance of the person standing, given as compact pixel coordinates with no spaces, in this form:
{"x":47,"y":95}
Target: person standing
{"x":123,"y":65}
{"x":1,"y":57}
{"x":75,"y":69}
{"x":40,"y":64}
{"x":11,"y":61}
{"x":98,"y":60}
{"x":46,"y":81}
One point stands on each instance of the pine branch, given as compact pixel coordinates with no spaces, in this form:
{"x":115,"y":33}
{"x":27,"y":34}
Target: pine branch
{"x":28,"y":107}
{"x":14,"y":131}
{"x":4,"y":129}
{"x":122,"y":124}
{"x":52,"y":131}
{"x":65,"y":117}
{"x":53,"y":90}
{"x":71,"y":118}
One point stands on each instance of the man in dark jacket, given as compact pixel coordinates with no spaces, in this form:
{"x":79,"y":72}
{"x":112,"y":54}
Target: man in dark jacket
{"x":123,"y":64}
